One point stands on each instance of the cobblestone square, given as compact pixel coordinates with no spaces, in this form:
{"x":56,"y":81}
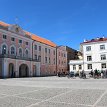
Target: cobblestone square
{"x":53,"y":92}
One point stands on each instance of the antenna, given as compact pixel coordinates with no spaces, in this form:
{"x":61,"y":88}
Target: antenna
{"x":16,"y":20}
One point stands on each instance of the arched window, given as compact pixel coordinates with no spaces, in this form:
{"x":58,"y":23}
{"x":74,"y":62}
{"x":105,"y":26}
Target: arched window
{"x":12,"y":51}
{"x":20,"y":52}
{"x":4,"y":49}
{"x":26,"y":53}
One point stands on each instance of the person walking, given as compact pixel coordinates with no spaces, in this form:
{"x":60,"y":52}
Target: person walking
{"x":102,"y":74}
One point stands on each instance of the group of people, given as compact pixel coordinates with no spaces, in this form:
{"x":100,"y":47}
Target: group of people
{"x":98,"y":73}
{"x":81,"y":74}
{"x":92,"y":74}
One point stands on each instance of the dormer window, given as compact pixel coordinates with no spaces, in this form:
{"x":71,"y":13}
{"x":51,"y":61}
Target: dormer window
{"x":17,"y":29}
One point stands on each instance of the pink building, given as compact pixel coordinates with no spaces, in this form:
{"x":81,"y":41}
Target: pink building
{"x":23,"y":54}
{"x":62,"y":59}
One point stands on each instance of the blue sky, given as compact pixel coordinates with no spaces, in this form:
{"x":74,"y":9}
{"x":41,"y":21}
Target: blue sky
{"x":65,"y":22}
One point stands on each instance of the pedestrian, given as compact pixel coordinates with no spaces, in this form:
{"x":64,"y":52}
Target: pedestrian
{"x":106,"y":73}
{"x":96,"y":74}
{"x":102,"y":74}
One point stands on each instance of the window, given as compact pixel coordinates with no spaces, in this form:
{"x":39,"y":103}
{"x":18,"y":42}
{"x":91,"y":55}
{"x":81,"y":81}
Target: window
{"x":103,"y":57}
{"x":88,"y":48}
{"x":39,"y":58}
{"x":26,"y":43}
{"x":12,"y":39}
{"x":54,"y":60}
{"x":26,"y":53}
{"x":54,"y":52}
{"x":35,"y":57}
{"x":59,"y":53}
{"x":89,"y":66}
{"x":102,"y":47}
{"x":74,"y":67}
{"x":89,"y":58}
{"x":45,"y":59}
{"x":4,"y":49}
{"x":80,"y":67}
{"x":59,"y":61}
{"x":45,"y":50}
{"x":4,"y":36}
{"x":103,"y":65}
{"x":49,"y":61}
{"x":39,"y":48}
{"x":35,"y":47}
{"x":49,"y":51}
{"x":12,"y":51}
{"x":62,"y":62}
{"x":20,"y":41}
{"x":64,"y":55}
{"x":20,"y":52}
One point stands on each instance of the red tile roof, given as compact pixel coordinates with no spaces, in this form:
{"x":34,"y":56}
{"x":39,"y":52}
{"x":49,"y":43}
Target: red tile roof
{"x":42,"y":40}
{"x":3,"y":24}
{"x":95,"y":40}
{"x":34,"y":37}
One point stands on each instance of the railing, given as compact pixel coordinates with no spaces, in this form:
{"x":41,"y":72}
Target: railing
{"x":17,"y":57}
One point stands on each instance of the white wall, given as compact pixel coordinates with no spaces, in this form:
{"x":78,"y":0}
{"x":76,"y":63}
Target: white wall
{"x":95,"y":53}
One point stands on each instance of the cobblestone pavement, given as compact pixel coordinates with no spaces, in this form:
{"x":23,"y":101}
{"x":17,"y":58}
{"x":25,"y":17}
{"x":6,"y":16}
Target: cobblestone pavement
{"x":53,"y":92}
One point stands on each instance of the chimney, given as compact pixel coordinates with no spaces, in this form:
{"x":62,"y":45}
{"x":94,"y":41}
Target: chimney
{"x":97,"y":38}
{"x":85,"y":40}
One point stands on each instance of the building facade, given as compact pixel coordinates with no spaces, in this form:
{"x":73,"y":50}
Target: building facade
{"x":94,"y":55}
{"x":62,"y":59}
{"x":23,"y":54}
{"x":72,"y":54}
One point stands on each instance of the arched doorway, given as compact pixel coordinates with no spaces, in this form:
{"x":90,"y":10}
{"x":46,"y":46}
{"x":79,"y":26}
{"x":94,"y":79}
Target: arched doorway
{"x":23,"y":70}
{"x":11,"y":70}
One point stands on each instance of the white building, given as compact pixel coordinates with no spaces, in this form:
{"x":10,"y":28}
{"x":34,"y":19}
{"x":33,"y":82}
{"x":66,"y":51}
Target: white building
{"x":76,"y":65}
{"x":94,"y":56}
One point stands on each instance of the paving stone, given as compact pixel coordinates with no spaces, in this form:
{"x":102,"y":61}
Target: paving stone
{"x":16,"y":102}
{"x":45,"y":94}
{"x":103,"y":101}
{"x":1,"y":95}
{"x":53,"y":104}
{"x":83,"y":96}
{"x":11,"y":90}
{"x":84,"y":92}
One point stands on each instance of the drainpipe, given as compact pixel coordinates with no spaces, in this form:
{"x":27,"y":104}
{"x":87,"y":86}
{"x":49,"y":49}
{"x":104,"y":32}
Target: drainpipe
{"x":32,"y":49}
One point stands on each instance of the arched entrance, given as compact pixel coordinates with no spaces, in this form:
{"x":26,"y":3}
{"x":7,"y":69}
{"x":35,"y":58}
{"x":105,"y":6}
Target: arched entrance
{"x":23,"y":70}
{"x":11,"y":70}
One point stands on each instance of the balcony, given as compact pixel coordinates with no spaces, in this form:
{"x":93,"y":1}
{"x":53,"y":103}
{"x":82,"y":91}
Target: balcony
{"x":17,"y":57}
